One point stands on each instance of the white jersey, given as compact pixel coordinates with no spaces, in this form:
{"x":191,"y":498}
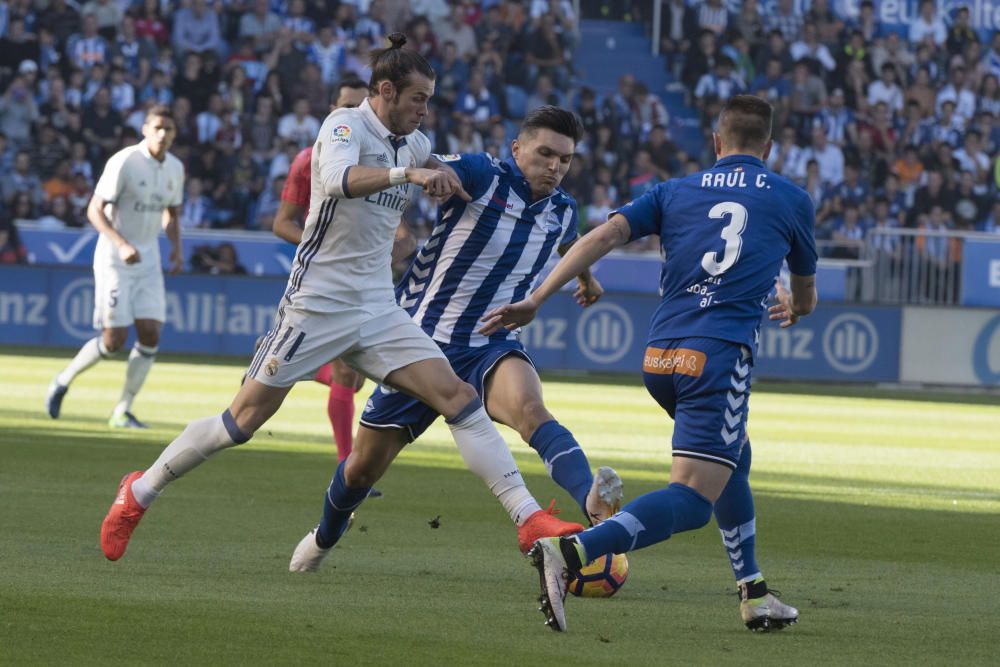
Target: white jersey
{"x":345,"y":254}
{"x":137,"y":188}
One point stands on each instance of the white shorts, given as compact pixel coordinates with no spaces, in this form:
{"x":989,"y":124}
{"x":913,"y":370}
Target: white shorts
{"x":374,"y":344}
{"x":123,"y":296}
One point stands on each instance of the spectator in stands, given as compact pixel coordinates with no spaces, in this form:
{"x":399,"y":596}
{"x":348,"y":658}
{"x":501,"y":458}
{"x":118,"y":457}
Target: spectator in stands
{"x":299,"y":127}
{"x":12,"y":250}
{"x":848,"y":234}
{"x":921,"y":93}
{"x":149,"y":23}
{"x":648,"y":110}
{"x":328,"y":52}
{"x":666,"y":157}
{"x":699,"y":61}
{"x":971,"y":204}
{"x":477,"y":103}
{"x":678,"y":23}
{"x":267,"y":203}
{"x":454,"y":29}
{"x":108,"y":15}
{"x":961,"y":33}
{"x":933,"y":193}
{"x":814,"y":185}
{"x":545,"y":54}
{"x":838,"y":121}
{"x":810,"y":48}
{"x":195,"y":211}
{"x":716,"y":87}
{"x":102,"y":126}
{"x":17,"y":45}
{"x":806,"y":97}
{"x":867,"y":23}
{"x":261,"y":25}
{"x":7,"y":154}
{"x":463,"y":137}
{"x":893,"y":50}
{"x":18,"y":109}
{"x":58,"y":215}
{"x":643,"y":176}
{"x":885,"y":89}
{"x":87,"y":48}
{"x":948,"y":127}
{"x":829,"y":157}
{"x":196,"y":28}
{"x":786,"y":155}
{"x":828,"y":24}
{"x":22,"y":180}
{"x":24,"y":209}
{"x":61,"y":19}
{"x":785,"y":17}
{"x":220,"y":259}
{"x":957,"y":91}
{"x":712,"y":15}
{"x":988,"y":99}
{"x":928,"y":25}
{"x":61,"y":182}
{"x":971,"y":157}
{"x":771,"y":85}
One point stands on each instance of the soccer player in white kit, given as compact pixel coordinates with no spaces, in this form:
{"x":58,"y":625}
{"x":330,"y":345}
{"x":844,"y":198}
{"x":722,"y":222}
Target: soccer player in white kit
{"x":140,"y":191}
{"x":340,"y":302}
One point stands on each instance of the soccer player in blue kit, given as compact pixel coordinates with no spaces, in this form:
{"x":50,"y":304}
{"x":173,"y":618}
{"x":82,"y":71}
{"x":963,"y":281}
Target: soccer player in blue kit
{"x":483,"y":253}
{"x":725,"y":233}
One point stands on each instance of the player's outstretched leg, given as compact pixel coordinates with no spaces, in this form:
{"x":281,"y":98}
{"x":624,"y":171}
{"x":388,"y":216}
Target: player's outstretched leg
{"x":339,"y":504}
{"x":734,"y":512}
{"x":137,"y":491}
{"x":92,"y":351}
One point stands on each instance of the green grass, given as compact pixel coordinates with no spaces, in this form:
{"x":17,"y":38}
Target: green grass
{"x":877,"y":517}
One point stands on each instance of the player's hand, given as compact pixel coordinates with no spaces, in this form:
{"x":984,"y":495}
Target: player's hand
{"x":439,"y":184}
{"x":588,"y":291}
{"x":176,"y":261}
{"x":511,"y":316}
{"x":782,"y":311}
{"x":128,"y":254}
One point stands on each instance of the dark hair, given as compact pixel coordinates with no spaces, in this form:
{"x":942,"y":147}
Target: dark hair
{"x":394,"y":64}
{"x":745,"y":123}
{"x":159,"y":110}
{"x":553,"y":118}
{"x":349,"y":82}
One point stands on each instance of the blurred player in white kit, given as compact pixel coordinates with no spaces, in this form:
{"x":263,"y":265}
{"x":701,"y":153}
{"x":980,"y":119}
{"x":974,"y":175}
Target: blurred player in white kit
{"x":140,"y":192}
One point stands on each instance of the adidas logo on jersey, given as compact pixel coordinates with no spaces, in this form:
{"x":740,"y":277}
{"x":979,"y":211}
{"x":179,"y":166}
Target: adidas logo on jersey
{"x":383,"y":158}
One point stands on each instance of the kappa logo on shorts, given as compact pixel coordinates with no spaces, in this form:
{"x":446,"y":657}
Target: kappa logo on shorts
{"x":341,"y":134}
{"x":272,"y":367}
{"x":678,"y":360}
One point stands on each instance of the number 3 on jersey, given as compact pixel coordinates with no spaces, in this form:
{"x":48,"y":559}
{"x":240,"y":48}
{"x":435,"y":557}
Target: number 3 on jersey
{"x":731,"y":233}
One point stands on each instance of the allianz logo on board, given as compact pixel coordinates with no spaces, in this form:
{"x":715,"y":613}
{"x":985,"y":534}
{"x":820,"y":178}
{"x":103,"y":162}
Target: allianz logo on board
{"x":604,"y":333}
{"x":75,"y":308}
{"x":850,"y":343}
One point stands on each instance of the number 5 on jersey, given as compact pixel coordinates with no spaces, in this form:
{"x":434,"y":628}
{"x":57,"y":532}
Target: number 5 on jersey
{"x":731,"y":233}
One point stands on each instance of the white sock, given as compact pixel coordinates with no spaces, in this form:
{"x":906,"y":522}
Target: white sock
{"x":140,"y":360}
{"x":91,"y":352}
{"x":486,"y":453}
{"x":200,"y":440}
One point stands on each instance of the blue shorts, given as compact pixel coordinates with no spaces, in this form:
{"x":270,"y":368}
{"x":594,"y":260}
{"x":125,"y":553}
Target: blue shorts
{"x":704,"y":384}
{"x":388,"y":408}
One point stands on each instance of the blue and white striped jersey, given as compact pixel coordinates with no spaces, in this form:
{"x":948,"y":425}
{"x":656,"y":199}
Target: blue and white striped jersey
{"x":484,"y":253}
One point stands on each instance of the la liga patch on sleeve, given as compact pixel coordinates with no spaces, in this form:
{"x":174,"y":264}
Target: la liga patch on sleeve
{"x":341,"y":134}
{"x":448,"y":157}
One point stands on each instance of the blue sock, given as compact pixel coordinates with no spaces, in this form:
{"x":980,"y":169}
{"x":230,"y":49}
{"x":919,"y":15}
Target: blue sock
{"x":735,"y":514}
{"x":339,"y":502}
{"x":564,"y":459}
{"x":652,"y":517}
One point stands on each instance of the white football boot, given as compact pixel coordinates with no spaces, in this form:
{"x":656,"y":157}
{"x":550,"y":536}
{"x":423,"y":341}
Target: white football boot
{"x":767,"y":613}
{"x":547,"y":558}
{"x":308,"y":555}
{"x":605,"y":496}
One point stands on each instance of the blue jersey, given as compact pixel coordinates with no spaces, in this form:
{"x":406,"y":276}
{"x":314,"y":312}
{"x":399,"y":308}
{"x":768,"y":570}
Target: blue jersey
{"x":484,"y":253}
{"x":724,"y":233}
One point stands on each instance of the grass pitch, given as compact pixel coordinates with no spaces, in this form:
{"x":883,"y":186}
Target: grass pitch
{"x":877,"y":518}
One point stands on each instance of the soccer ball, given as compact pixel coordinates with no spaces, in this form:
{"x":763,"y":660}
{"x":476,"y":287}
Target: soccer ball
{"x":602,"y":578}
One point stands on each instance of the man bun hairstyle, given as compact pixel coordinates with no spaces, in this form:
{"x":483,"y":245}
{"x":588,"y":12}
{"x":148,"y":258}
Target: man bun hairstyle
{"x":394,"y":64}
{"x":557,"y":119}
{"x":745,"y":123}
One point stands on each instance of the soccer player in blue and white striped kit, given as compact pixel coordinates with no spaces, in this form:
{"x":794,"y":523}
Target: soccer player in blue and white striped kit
{"x":725,"y":233}
{"x":481,"y":254}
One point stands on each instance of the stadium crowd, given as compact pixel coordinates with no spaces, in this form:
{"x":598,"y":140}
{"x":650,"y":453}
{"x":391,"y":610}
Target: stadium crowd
{"x":880,"y":128}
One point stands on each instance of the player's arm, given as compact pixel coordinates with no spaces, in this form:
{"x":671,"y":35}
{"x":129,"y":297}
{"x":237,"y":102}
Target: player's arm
{"x":403,"y":244}
{"x":97,"y":218}
{"x":172,"y":228}
{"x":458,"y":187}
{"x":595,"y":245}
{"x":286,"y":226}
{"x":588,"y":289}
{"x":339,"y":149}
{"x":800,"y":299}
